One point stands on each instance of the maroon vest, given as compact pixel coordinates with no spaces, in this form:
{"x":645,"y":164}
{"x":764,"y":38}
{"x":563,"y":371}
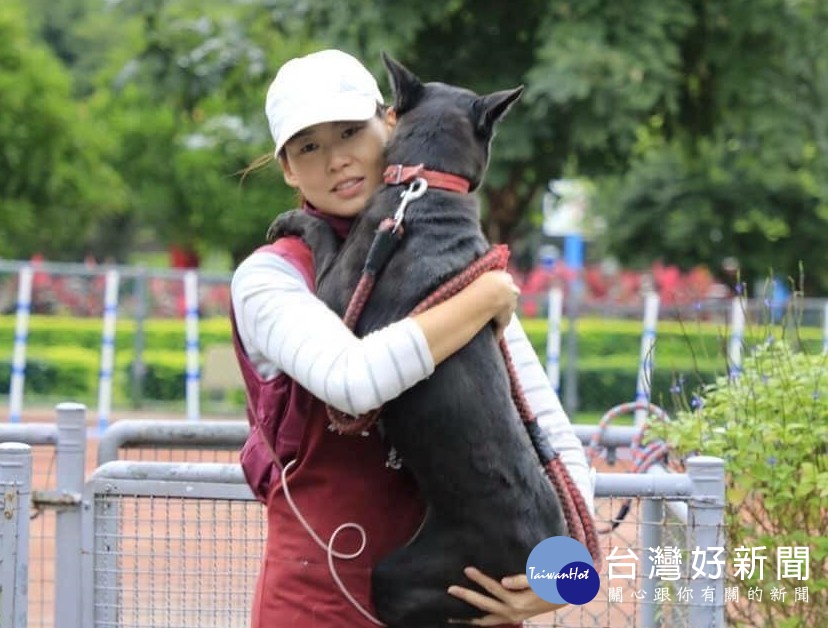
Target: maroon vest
{"x":335,"y":480}
{"x":272,"y":409}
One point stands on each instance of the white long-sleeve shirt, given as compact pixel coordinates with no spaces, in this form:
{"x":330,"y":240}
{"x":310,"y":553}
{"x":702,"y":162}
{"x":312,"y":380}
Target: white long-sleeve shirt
{"x":285,"y":327}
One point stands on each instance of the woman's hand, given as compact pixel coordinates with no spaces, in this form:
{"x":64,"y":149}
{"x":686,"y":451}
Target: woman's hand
{"x":511,"y":601}
{"x":506,"y":294}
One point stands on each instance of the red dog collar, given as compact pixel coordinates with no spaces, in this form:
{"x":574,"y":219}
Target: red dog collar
{"x":398,"y":174}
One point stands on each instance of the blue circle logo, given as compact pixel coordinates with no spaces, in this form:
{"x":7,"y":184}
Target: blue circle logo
{"x":560,"y":570}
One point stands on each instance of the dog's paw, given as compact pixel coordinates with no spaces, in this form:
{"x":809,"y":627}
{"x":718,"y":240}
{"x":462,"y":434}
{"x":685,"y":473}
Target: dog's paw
{"x":291,"y":223}
{"x":316,"y":233}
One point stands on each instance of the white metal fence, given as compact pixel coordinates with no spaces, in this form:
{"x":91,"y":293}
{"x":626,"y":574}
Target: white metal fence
{"x":137,"y":293}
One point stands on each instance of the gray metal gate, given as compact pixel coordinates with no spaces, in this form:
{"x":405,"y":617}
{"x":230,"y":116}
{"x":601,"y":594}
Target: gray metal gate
{"x":168,"y":544}
{"x":16,"y":485}
{"x":57,"y":454}
{"x":148,"y":518}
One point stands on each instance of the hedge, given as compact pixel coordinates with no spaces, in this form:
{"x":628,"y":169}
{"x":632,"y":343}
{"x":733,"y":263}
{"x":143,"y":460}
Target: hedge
{"x":596,"y":337}
{"x":602,"y":386}
{"x":168,"y":334}
{"x":64,"y":357}
{"x":705,"y":341}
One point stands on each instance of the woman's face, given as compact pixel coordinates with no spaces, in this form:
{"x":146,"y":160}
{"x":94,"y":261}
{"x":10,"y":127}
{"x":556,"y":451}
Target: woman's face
{"x":337,"y":165}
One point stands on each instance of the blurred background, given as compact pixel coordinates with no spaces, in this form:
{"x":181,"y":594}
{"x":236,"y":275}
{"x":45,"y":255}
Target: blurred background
{"x":670,"y":146}
{"x":699,"y":129}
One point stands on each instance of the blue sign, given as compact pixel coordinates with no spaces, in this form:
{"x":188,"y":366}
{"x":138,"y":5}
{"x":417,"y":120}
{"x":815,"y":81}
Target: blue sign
{"x":574,"y":251}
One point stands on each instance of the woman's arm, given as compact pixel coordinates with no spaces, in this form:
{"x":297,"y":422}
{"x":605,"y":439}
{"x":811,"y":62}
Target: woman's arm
{"x":492,"y":296}
{"x":284,"y":327}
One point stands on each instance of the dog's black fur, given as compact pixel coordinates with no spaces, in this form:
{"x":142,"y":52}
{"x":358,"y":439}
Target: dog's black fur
{"x":459,"y":433}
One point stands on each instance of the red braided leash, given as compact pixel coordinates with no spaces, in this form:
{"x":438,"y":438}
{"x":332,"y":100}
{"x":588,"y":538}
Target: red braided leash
{"x":578,"y":519}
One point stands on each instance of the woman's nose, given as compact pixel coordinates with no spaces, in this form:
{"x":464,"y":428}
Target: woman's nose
{"x":338,"y":157}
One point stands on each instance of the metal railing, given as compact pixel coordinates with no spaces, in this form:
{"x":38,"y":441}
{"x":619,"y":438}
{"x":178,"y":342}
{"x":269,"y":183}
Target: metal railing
{"x":179,"y":543}
{"x":147,"y":438}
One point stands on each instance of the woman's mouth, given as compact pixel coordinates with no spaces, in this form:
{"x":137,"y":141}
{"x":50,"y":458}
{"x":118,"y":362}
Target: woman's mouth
{"x":349,"y":188}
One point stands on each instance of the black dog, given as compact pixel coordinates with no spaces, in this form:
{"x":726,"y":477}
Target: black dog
{"x":459,"y":433}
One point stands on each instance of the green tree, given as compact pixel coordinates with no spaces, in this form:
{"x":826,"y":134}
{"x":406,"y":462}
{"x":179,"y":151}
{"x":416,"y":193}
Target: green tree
{"x":55,"y":24}
{"x":187,"y":101}
{"x":739,"y":168}
{"x":701,"y":124}
{"x":53,"y":161}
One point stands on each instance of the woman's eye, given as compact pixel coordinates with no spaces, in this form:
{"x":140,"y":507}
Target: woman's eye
{"x":307,"y":148}
{"x":352,"y":130}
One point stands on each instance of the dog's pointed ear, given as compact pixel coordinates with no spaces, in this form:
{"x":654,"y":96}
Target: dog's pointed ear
{"x":407,"y":87}
{"x":490,"y":108}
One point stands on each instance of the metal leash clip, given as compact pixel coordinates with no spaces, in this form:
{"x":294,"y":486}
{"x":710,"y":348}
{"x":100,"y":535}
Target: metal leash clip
{"x":414,"y":191}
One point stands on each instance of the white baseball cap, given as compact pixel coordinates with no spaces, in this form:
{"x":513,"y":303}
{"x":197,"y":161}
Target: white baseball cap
{"x":325,"y":86}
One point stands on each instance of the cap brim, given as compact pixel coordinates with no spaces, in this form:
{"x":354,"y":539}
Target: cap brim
{"x":343,"y":107}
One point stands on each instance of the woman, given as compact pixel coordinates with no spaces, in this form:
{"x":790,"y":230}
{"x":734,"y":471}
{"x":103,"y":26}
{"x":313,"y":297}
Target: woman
{"x":337,"y":496}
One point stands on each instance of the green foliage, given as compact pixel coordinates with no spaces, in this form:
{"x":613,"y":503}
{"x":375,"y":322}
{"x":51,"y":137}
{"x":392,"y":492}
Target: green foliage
{"x":770,"y":425}
{"x":86,"y":333}
{"x":739,"y":169}
{"x":604,"y":383}
{"x":676,"y":342}
{"x":72,"y":373}
{"x":608,"y":358}
{"x":171,"y":93}
{"x":700,"y":125}
{"x":725,"y":200}
{"x":686,"y":356}
{"x":63,"y":356}
{"x":188,"y":104}
{"x":53,"y":162}
{"x":69,"y":371}
{"x":607,"y":67}
{"x":45,"y":377}
{"x":165,"y":375}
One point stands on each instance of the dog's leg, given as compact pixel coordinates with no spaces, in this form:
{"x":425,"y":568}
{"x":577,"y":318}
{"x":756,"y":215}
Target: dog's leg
{"x":409,"y":585}
{"x":316,"y":233}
